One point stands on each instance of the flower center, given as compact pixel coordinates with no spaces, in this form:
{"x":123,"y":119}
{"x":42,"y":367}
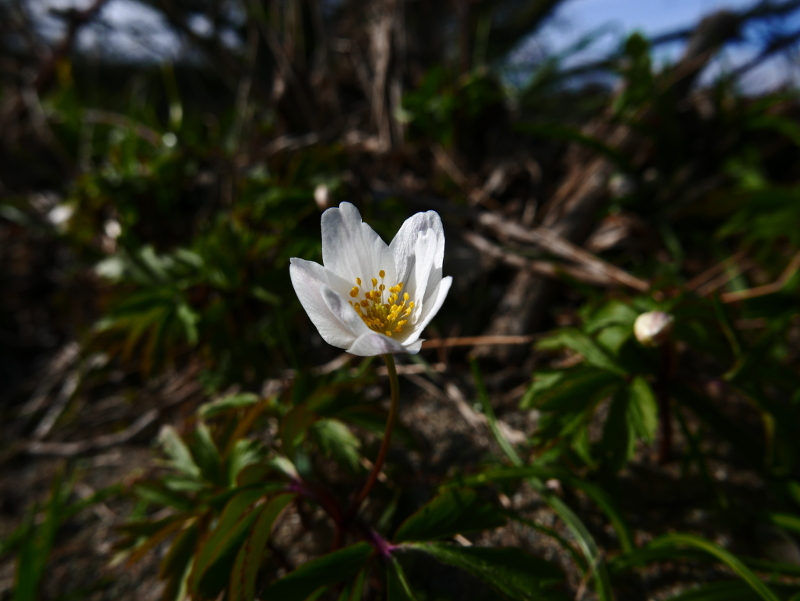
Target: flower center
{"x":387,"y":315}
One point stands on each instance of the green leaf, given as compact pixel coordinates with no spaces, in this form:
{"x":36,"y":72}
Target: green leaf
{"x":157,"y":493}
{"x":229,"y":403}
{"x":176,"y":566}
{"x":398,"y":588}
{"x":733,"y":562}
{"x":511,"y":571}
{"x":335,"y":438}
{"x":536,"y":476}
{"x":244,"y":453}
{"x":38,"y":541}
{"x":488,"y":410}
{"x":633,"y":413}
{"x":718,"y":591}
{"x":787,"y":521}
{"x":179,"y":454}
{"x":206,"y":454}
{"x":597,"y":494}
{"x":223,"y":542}
{"x":248,"y":560}
{"x":569,"y":389}
{"x":354,"y":591}
{"x":322,"y":572}
{"x":579,"y":342}
{"x":452,"y":512}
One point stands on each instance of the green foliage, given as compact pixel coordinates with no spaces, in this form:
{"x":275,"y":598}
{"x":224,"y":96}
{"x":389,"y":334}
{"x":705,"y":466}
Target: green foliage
{"x":184,"y":219}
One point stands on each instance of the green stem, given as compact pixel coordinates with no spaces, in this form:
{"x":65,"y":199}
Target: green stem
{"x":387,"y":438}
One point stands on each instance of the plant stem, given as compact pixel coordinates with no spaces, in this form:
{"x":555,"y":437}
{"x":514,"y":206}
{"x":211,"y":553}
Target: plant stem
{"x":666,"y":375}
{"x":387,"y":438}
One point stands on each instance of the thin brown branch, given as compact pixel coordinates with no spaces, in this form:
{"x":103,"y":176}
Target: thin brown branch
{"x":473,"y":340}
{"x":545,"y":268}
{"x":71,"y":449}
{"x":711,"y":272}
{"x":559,"y":246}
{"x":776,"y":286}
{"x":733,"y":271}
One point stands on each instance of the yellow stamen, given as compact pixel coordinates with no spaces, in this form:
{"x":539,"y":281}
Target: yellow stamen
{"x":387,"y":317}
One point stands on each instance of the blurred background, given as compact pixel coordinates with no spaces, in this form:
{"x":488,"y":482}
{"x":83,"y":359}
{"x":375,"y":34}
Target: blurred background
{"x":162,"y":160}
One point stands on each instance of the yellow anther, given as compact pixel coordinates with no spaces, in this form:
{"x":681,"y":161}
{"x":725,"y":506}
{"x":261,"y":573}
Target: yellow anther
{"x":388,"y":316}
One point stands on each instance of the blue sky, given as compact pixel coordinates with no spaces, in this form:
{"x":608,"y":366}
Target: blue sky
{"x":137,"y":31}
{"x":576,"y":18}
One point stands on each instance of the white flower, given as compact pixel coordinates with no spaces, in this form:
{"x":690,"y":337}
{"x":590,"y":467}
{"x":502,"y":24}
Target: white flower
{"x":369,"y":297}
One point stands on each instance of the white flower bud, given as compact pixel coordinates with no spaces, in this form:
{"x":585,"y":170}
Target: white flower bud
{"x":322,"y":196}
{"x":653,"y":328}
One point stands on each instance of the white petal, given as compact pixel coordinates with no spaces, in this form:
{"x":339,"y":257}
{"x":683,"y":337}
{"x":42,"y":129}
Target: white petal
{"x":344,"y":312}
{"x":372,"y":344}
{"x":352,"y":249}
{"x":403,"y":245}
{"x":431,"y":309}
{"x":310,"y":280}
{"x":423,"y":280}
{"x":414,"y":347}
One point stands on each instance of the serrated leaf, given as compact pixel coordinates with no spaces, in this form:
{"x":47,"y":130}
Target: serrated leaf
{"x":787,"y":521}
{"x":320,"y":573}
{"x":510,"y":570}
{"x":597,"y":494}
{"x":336,"y":439}
{"x":397,"y":586}
{"x":354,"y":591}
{"x":179,"y":454}
{"x":452,"y":512}
{"x":176,"y":565}
{"x":570,"y":389}
{"x":229,"y":403}
{"x":726,"y":557}
{"x":157,"y":493}
{"x":206,"y":454}
{"x":582,"y":344}
{"x":244,"y":453}
{"x":633,"y":413}
{"x":223,"y":542}
{"x":248,"y":560}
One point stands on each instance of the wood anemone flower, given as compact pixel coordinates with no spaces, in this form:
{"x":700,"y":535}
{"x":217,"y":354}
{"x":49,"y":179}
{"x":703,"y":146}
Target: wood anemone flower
{"x":368,"y":297}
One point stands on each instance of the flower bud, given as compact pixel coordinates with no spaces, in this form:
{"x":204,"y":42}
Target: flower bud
{"x":653,"y":328}
{"x":322,"y":197}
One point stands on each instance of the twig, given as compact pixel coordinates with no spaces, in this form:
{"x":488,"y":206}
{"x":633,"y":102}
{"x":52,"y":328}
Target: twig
{"x":702,"y":278}
{"x":52,"y":373}
{"x":559,"y":246}
{"x":473,"y":340}
{"x":545,"y":268}
{"x":791,"y":268}
{"x":476,"y":195}
{"x":71,"y":449}
{"x":718,"y":282}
